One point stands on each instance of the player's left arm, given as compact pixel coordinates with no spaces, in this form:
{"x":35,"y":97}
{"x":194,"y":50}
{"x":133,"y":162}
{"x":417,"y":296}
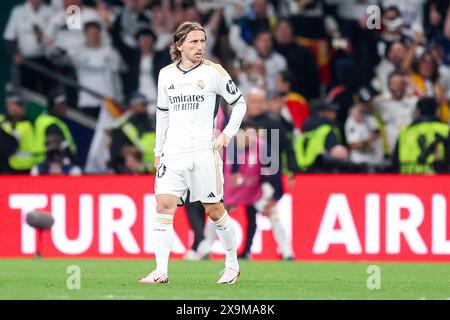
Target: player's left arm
{"x":230,"y":92}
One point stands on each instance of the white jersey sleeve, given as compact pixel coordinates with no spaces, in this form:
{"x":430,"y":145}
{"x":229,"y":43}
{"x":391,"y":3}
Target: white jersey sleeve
{"x":231,"y":93}
{"x":226,"y":87}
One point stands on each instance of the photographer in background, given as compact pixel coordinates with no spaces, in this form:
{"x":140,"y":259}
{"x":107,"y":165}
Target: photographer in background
{"x":57,"y":162}
{"x":53,"y":123}
{"x":132,"y":162}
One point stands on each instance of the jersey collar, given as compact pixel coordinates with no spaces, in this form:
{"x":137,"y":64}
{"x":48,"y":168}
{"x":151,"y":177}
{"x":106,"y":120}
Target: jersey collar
{"x":186,"y":71}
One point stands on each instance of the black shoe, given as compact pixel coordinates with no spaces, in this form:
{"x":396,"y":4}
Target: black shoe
{"x":290,"y":258}
{"x":244,"y":256}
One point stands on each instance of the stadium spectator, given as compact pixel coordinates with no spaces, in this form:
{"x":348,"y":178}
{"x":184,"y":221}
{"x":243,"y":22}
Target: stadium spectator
{"x":425,"y":80}
{"x":411,"y":11}
{"x":395,"y":108}
{"x":244,"y":28}
{"x":144,"y":6}
{"x":162,"y":24}
{"x":56,"y":160}
{"x":60,"y":40}
{"x":435,"y":13}
{"x":393,"y":30}
{"x":355,"y":36}
{"x":128,"y":21}
{"x":362,"y":131}
{"x":52,"y":123}
{"x":344,"y":87}
{"x":444,"y":41}
{"x":252,"y":75}
{"x":97,"y":67}
{"x":295,"y":108}
{"x":143,"y":65}
{"x":437,"y":52}
{"x":393,"y":60}
{"x":274,"y":62}
{"x":338,"y":54}
{"x":313,"y":26}
{"x":352,"y":15}
{"x":300,"y":61}
{"x":320,"y":144}
{"x":15,"y":126}
{"x":424,"y":146}
{"x":191,"y":13}
{"x":134,"y":130}
{"x":24,"y":37}
{"x":443,"y":37}
{"x":311,"y":19}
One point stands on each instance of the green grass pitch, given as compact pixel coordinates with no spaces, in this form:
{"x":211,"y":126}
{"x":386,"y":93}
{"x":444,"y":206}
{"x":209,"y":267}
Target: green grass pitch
{"x":117,"y":279}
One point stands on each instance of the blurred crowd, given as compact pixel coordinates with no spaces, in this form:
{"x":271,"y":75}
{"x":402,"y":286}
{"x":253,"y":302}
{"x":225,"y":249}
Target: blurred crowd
{"x":351,"y":85}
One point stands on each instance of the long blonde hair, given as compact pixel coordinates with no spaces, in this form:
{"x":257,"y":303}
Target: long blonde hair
{"x":180,"y":35}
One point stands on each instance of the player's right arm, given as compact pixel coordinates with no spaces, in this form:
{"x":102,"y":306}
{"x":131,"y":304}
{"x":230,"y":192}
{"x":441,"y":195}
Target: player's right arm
{"x":162,"y":118}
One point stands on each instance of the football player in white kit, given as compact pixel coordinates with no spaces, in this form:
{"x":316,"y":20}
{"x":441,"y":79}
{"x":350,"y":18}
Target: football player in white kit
{"x":187,"y":150}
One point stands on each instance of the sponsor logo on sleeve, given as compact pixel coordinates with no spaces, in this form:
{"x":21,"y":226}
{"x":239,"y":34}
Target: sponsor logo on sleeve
{"x":231,"y":87}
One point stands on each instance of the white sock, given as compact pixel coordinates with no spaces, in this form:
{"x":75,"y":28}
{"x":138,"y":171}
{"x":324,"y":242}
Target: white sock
{"x":210,"y":231}
{"x":164,"y":234}
{"x":205,"y":246}
{"x":227,"y":236}
{"x":280,"y":235}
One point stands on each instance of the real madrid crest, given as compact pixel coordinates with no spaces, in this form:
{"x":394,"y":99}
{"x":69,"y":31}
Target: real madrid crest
{"x":200,"y":84}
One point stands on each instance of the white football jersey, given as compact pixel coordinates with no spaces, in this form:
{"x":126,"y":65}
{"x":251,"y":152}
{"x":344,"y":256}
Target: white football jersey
{"x":192,"y":99}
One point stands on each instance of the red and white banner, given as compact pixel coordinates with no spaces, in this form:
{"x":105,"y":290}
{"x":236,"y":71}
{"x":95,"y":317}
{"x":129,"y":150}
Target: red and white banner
{"x":328,"y":217}
{"x":370,"y":217}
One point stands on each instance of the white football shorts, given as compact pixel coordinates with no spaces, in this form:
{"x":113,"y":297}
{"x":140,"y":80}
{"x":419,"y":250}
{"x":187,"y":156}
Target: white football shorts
{"x":201,"y":173}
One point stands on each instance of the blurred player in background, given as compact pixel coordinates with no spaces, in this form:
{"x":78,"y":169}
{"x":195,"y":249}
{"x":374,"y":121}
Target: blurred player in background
{"x":195,"y":213}
{"x":245,"y":185}
{"x":187,"y":151}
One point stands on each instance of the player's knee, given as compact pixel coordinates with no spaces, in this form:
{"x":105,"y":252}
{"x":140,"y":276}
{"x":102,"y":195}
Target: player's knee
{"x":214,"y":211}
{"x":273,"y":216}
{"x":215,"y":215}
{"x":165,"y":206}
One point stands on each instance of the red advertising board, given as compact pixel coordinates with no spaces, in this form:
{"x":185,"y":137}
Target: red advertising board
{"x":328,"y":217}
{"x":372,"y":218}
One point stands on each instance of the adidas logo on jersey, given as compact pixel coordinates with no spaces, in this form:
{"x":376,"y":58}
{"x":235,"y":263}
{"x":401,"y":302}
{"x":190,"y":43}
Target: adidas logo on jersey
{"x":211,"y":195}
{"x":171,"y":87}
